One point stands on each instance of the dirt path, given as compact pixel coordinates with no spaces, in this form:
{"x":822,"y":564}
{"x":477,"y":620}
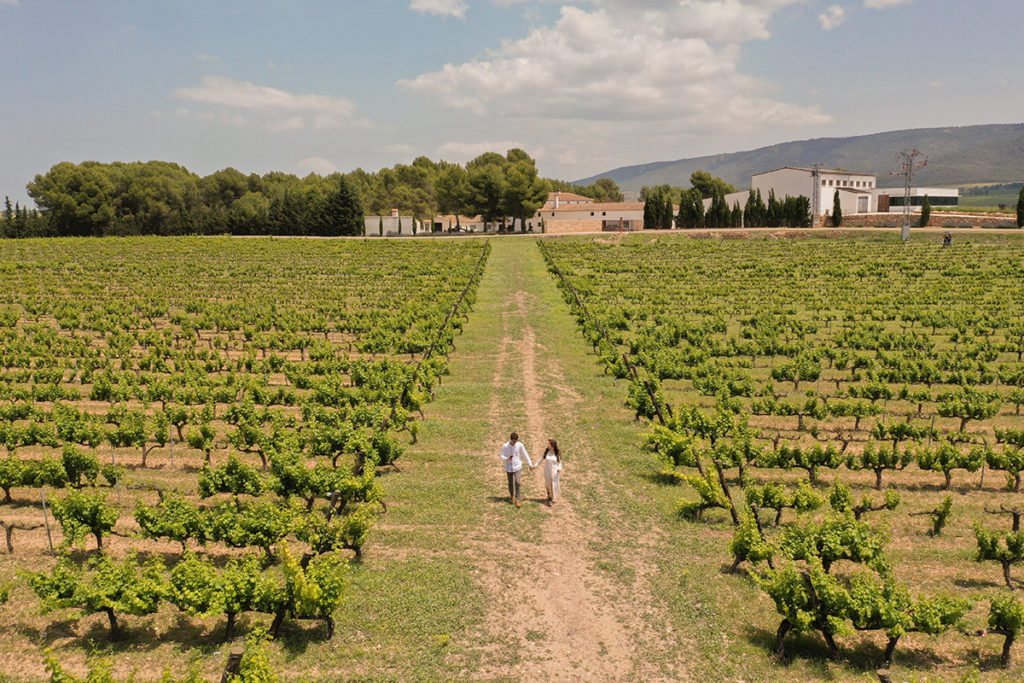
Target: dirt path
{"x":565,"y":619}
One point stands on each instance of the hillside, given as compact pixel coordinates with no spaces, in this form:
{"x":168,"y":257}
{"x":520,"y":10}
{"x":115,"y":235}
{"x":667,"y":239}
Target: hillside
{"x":956,"y":156}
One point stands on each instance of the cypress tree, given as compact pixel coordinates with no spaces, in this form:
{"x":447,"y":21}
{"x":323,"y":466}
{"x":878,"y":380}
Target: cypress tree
{"x":698,"y":209}
{"x":380,"y":225}
{"x":8,"y":218}
{"x":737,"y":216}
{"x":399,"y":225}
{"x":773,"y":213}
{"x":1020,"y":209}
{"x":837,"y":210}
{"x":648,"y":214}
{"x":926,"y":213}
{"x":666,"y":214}
{"x":750,"y":220}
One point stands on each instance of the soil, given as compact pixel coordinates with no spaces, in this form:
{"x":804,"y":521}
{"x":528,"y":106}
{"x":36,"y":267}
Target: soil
{"x":578,"y":624}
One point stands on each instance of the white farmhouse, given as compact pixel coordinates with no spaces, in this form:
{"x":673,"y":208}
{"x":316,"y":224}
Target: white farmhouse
{"x":588,"y":217}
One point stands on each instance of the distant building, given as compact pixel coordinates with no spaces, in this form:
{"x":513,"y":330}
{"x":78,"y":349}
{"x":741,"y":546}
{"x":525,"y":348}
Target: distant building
{"x":559,"y":199}
{"x":391,"y":225}
{"x":451,"y":222}
{"x":891,"y":199}
{"x":587,"y":216}
{"x":858,"y":192}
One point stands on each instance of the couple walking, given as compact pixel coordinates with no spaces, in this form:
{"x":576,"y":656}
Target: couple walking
{"x":513,"y":453}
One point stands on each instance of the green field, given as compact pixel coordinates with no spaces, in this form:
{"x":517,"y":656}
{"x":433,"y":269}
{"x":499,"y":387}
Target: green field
{"x":992,"y":200}
{"x":318,"y":356}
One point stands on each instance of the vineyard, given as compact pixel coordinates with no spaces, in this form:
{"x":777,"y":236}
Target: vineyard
{"x":194,"y":429}
{"x":840,"y":419}
{"x":785,"y":459}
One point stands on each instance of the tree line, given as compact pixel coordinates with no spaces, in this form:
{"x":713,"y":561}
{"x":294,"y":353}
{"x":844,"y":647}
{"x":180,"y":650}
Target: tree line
{"x":163,"y":198}
{"x":660,"y":212}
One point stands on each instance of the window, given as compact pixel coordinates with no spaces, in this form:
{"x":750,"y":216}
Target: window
{"x":918,"y":200}
{"x":591,"y":213}
{"x":604,"y":213}
{"x":830,"y":183}
{"x":823,"y":183}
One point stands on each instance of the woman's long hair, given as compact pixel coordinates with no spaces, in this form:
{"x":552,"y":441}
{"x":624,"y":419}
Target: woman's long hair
{"x":553,"y":446}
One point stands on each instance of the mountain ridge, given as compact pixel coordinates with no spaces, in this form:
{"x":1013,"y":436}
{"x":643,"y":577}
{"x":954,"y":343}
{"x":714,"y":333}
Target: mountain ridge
{"x":957,"y":156}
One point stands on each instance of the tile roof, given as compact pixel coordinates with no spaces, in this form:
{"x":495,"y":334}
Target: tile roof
{"x":608,"y":206}
{"x":568,"y":197}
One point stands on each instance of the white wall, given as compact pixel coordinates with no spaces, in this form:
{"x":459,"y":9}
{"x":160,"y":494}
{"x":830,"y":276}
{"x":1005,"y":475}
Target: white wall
{"x":794,"y":182}
{"x":390,"y":225}
{"x":587,"y":212}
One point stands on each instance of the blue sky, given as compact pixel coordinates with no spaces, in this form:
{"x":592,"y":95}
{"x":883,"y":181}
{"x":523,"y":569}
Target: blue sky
{"x":316,"y":85}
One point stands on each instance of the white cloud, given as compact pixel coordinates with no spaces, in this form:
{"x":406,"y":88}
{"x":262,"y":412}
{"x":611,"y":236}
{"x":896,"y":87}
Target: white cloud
{"x":283,"y":110}
{"x":464,"y":151}
{"x":244,"y":95}
{"x":651,"y":60}
{"x":210,"y":59}
{"x":832,"y":17}
{"x":882,"y":4}
{"x":720,"y":21}
{"x":452,"y":8}
{"x":12,"y":3}
{"x":317,"y":165}
{"x":224,"y":117}
{"x":398,"y":149}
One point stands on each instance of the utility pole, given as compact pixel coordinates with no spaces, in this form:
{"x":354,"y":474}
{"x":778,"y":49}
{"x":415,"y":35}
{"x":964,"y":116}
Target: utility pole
{"x":909,"y":166}
{"x":815,"y":193}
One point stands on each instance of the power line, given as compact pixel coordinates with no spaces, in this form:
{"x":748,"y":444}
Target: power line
{"x":909,"y":166}
{"x":815,"y":192}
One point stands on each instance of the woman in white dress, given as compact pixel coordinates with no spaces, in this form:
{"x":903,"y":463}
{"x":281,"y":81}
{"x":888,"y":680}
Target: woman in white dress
{"x":552,"y":468}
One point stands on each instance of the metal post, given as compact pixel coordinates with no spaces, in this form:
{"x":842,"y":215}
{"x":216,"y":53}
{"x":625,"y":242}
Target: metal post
{"x":46,"y":518}
{"x":816,"y":193}
{"x":117,"y":484}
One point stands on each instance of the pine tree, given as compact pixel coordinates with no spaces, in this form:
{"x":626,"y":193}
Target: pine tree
{"x":926,"y":213}
{"x":837,"y":210}
{"x":340,"y":212}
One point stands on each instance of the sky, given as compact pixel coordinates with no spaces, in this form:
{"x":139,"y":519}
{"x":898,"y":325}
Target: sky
{"x":319,"y":86}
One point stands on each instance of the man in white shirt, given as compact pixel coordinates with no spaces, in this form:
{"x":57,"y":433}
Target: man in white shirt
{"x":512,"y":454}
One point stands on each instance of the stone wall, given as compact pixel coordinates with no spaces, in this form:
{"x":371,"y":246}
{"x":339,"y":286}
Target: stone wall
{"x":566,"y":226}
{"x":561,"y":227}
{"x":937,"y":220}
